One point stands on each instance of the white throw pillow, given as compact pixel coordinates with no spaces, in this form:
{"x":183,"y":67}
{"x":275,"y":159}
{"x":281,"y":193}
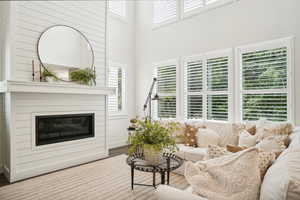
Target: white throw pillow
{"x":231,"y":177}
{"x":207,"y":137}
{"x":272,"y":144}
{"x":246,"y":139}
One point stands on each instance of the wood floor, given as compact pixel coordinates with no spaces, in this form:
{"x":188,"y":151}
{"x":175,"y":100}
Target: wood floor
{"x":112,"y":152}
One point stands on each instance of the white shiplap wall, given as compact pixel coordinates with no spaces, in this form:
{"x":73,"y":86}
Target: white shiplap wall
{"x":29,"y":160}
{"x":33,"y":17}
{"x":27,"y":20}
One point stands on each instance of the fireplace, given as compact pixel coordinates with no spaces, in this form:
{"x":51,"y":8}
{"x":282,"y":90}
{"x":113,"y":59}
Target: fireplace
{"x":61,"y":128}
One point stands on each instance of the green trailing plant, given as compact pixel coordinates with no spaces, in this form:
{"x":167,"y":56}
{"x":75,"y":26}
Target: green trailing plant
{"x":83,"y":76}
{"x":153,"y":134}
{"x":48,"y":74}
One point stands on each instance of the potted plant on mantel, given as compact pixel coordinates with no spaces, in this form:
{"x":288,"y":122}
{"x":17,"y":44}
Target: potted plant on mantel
{"x":152,"y":137}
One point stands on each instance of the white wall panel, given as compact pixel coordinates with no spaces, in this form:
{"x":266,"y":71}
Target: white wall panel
{"x":27,"y":159}
{"x":33,"y":17}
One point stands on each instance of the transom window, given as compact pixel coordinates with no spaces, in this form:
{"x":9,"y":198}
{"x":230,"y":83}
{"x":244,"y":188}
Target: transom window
{"x":168,"y":11}
{"x":164,"y":11}
{"x":117,"y":7}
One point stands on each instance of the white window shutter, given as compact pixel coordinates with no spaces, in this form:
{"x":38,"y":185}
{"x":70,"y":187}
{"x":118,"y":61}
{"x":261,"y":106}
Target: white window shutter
{"x":264,"y":84}
{"x":206,"y":90}
{"x":193,"y":89}
{"x":166,"y":89}
{"x":217,"y":87}
{"x":117,"y":7}
{"x":113,"y":82}
{"x":190,"y":5}
{"x":164,"y":10}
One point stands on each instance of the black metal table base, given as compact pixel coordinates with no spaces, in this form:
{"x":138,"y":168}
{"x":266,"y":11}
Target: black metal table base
{"x":162,"y":176}
{"x":168,"y":163}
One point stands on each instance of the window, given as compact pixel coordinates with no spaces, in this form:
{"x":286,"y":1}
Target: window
{"x":116,"y":79}
{"x":166,"y":89}
{"x":265,"y":83}
{"x":117,"y":7}
{"x":168,"y":11}
{"x":191,"y":7}
{"x":207,"y":91}
{"x":164,"y":11}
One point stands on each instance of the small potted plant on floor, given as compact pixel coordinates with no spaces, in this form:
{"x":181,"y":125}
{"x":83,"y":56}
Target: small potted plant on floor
{"x":152,"y":137}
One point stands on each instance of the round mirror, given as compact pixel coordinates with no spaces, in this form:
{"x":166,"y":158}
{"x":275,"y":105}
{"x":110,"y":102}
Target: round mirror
{"x":63,"y":50}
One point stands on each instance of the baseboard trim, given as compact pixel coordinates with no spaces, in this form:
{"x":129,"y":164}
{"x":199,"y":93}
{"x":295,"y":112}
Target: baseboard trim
{"x":40,"y":170}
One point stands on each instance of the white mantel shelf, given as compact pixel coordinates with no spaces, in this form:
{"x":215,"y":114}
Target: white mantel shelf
{"x":54,"y":88}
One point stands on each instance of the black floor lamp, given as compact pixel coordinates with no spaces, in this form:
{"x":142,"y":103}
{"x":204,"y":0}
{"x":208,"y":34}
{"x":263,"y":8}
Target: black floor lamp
{"x":149,"y":100}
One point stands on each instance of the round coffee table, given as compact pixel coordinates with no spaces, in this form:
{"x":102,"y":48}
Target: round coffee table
{"x":168,"y":163}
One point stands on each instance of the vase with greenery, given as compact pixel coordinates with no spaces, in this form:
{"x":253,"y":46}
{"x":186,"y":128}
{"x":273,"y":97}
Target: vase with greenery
{"x":49,"y":76}
{"x":152,"y":137}
{"x":83,"y":76}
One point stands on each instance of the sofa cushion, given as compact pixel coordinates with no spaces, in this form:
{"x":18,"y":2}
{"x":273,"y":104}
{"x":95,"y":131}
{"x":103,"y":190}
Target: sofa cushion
{"x":191,"y":153}
{"x":246,"y":139}
{"x":228,"y":135}
{"x":285,"y":169}
{"x":206,"y":136}
{"x":164,"y":192}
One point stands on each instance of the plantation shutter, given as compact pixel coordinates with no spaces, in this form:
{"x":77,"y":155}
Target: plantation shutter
{"x":117,"y":7}
{"x":264,"y":84}
{"x":217,"y":80}
{"x":113,"y":82}
{"x":164,"y":10}
{"x":206,"y":90}
{"x":211,"y":1}
{"x":189,"y":5}
{"x":194,"y":87}
{"x":166,"y":89}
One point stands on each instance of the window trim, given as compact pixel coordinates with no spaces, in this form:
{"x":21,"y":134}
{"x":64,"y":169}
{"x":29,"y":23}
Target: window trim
{"x":181,"y":15}
{"x":119,"y":17}
{"x":124,"y":111}
{"x":287,"y":42}
{"x":178,"y":87}
{"x":205,"y":56}
{"x":169,"y":21}
{"x":205,"y":8}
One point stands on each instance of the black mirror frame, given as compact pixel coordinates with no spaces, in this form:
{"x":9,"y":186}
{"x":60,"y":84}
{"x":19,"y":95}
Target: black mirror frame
{"x":85,"y":37}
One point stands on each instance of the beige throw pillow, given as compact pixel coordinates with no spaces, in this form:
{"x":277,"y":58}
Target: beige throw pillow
{"x":214,"y":151}
{"x":293,"y":192}
{"x":207,"y":137}
{"x":272,"y":144}
{"x":190,"y":135}
{"x":246,"y":139}
{"x":232,"y":177}
{"x":273,"y":129}
{"x":265,"y":161}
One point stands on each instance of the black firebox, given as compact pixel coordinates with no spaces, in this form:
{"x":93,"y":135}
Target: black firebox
{"x":51,"y":129}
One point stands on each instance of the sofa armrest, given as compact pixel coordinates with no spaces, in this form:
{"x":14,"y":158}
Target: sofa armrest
{"x":164,"y":192}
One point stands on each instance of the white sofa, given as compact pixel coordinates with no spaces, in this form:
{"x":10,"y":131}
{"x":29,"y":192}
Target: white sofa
{"x":228,"y":135}
{"x":272,"y":188}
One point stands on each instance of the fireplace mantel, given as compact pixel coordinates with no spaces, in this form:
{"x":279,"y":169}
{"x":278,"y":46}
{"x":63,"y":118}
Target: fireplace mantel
{"x":55,"y":88}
